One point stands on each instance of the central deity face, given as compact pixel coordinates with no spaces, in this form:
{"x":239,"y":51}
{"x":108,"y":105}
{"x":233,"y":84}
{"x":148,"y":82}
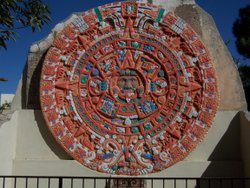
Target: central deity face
{"x":127,"y":84}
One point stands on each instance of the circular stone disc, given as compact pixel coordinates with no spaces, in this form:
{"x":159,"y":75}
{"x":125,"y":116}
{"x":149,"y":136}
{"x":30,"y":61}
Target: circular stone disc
{"x":128,"y":88}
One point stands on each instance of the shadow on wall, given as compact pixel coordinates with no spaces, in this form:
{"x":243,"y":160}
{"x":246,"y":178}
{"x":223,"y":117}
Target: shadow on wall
{"x":48,"y":137}
{"x":247,"y":94}
{"x":24,"y":86}
{"x":228,"y":148}
{"x":31,"y":81}
{"x":33,"y":100}
{"x":226,"y":161}
{"x":226,"y":158}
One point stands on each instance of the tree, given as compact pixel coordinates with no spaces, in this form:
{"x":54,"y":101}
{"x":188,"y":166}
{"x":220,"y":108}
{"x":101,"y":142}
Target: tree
{"x":245,"y":75}
{"x":17,"y":14}
{"x":241,"y":30}
{"x":244,"y":71}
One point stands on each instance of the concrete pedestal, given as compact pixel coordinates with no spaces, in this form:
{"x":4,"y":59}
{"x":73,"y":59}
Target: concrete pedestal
{"x":31,"y":150}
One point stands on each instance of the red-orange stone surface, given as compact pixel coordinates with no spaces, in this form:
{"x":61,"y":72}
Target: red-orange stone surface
{"x":128,"y":88}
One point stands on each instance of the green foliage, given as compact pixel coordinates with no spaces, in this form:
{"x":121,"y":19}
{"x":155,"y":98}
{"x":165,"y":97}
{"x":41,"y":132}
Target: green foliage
{"x":245,"y":75}
{"x":244,"y":71}
{"x":17,"y":14}
{"x":241,"y":30}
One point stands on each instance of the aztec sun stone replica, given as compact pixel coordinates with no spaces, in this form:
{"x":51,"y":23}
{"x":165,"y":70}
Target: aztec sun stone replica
{"x":128,"y":89}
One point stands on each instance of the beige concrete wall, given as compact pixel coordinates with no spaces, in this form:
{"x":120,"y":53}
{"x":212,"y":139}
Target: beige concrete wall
{"x":8,"y":133}
{"x":222,"y":140}
{"x":34,"y":141}
{"x":37,"y":152}
{"x":225,"y":132}
{"x":30,"y":149}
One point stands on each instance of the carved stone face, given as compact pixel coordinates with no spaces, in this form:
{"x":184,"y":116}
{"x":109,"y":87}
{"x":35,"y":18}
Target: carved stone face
{"x":127,"y":83}
{"x":128,"y":86}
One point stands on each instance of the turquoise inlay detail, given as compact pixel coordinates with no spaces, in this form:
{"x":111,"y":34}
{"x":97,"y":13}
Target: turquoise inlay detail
{"x":103,"y":109}
{"x":152,"y":86}
{"x":98,"y":14}
{"x":134,"y":130}
{"x":163,"y":126}
{"x":135,"y":44}
{"x":104,"y":41}
{"x":147,"y":126}
{"x":103,"y":86}
{"x":115,"y":167}
{"x":121,"y":100}
{"x":84,"y":79}
{"x":161,"y":73}
{"x":136,"y":121}
{"x":134,"y":100}
{"x":131,"y":109}
{"x":124,"y":109}
{"x":160,"y":118}
{"x":160,"y":14}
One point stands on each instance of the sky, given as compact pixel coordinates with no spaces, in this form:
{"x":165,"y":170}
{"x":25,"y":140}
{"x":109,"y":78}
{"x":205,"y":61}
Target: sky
{"x":14,"y":58}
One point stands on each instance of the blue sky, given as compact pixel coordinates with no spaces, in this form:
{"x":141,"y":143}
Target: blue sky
{"x":13,"y":59}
